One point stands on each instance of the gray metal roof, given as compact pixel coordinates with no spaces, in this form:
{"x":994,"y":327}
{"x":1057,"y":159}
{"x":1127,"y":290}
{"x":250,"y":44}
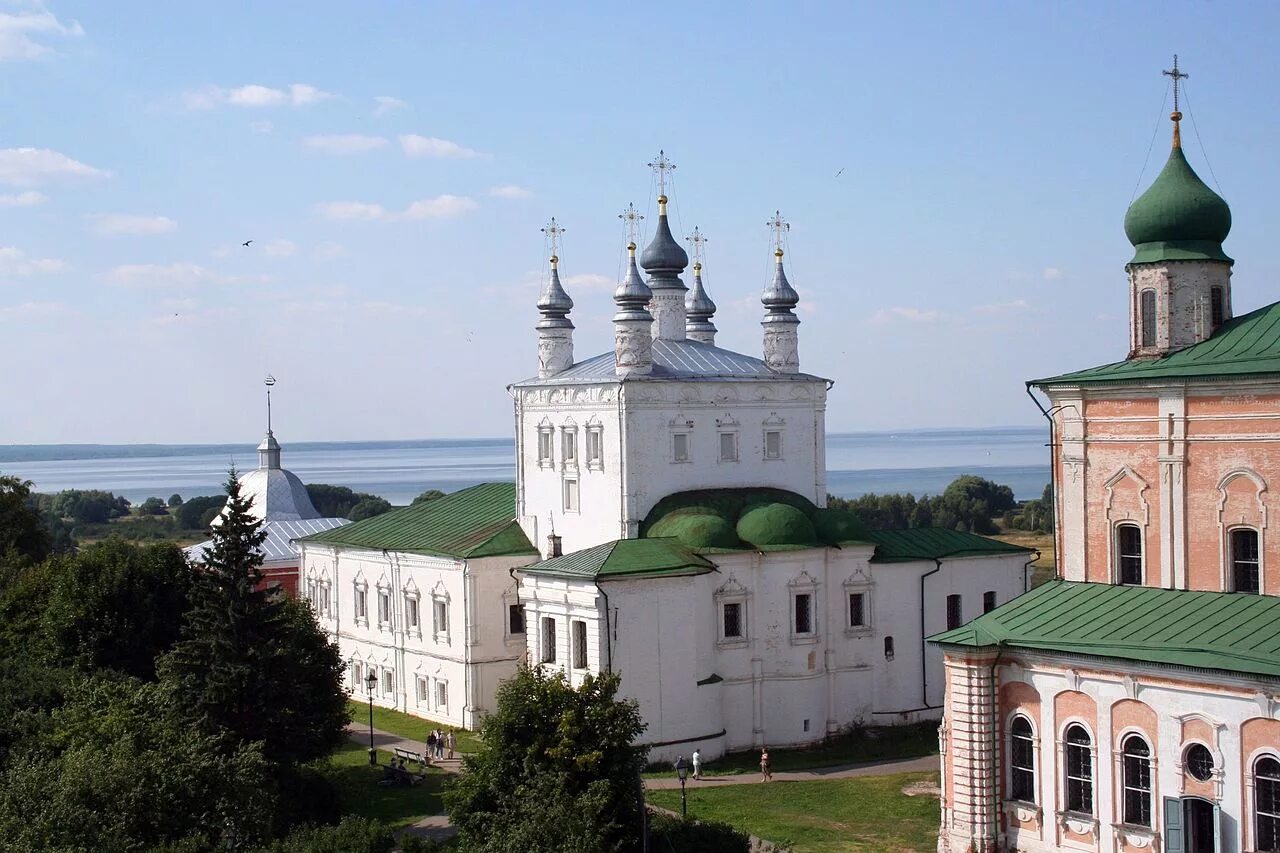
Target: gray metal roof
{"x":280,"y":535}
{"x":277,"y":495}
{"x":675,"y":360}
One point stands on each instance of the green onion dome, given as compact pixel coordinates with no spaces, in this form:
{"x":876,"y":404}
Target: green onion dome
{"x":1178,"y":218}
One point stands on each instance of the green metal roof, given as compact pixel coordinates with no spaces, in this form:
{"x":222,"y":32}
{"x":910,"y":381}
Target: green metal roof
{"x":626,"y":558}
{"x":1231,"y":632}
{"x":933,"y":543}
{"x":1243,"y":346}
{"x":474,"y":522}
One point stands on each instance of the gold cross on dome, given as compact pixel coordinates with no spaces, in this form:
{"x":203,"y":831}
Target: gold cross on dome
{"x":1178,"y":77}
{"x":553,"y":230}
{"x":661,"y":167}
{"x":631,"y":219}
{"x":779,"y":227}
{"x":697,"y":241}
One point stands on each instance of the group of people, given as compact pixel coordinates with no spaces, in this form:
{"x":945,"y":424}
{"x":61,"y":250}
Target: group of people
{"x":439,"y":743}
{"x":395,"y":773}
{"x":766,"y":773}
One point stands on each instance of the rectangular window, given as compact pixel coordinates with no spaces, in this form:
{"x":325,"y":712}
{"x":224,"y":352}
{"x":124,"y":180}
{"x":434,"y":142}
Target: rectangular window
{"x":515,"y":618}
{"x":804,"y":613}
{"x":1022,"y":763}
{"x":439,"y":616}
{"x":544,"y":447}
{"x":422,"y":691}
{"x":548,"y":640}
{"x":989,"y":601}
{"x":362,"y":604}
{"x":728,"y":447}
{"x":680,"y":447}
{"x":411,"y":613}
{"x":579,"y":644}
{"x":595,"y":451}
{"x":732,"y":620}
{"x":384,"y":607}
{"x":773,"y":444}
{"x":1079,"y":772}
{"x":953,"y":612}
{"x":1147,"y":312}
{"x":570,"y":495}
{"x":357,"y":676}
{"x":570,"y":446}
{"x":324,"y":598}
{"x":888,"y":648}
{"x":442,"y":696}
{"x":388,"y":683}
{"x":1244,"y":561}
{"x":1217,"y":307}
{"x":857,"y":614}
{"x":1129,"y":554}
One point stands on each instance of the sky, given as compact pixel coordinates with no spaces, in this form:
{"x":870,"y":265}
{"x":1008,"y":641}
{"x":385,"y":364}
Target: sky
{"x":955,"y":176}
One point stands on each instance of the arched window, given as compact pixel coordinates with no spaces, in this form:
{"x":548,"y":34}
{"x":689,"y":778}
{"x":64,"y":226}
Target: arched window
{"x":1266,"y":807}
{"x":1147,"y":313}
{"x":1217,"y":308}
{"x":1022,"y":760}
{"x":1137,"y":781}
{"x":1244,"y":561}
{"x":1129,"y":554}
{"x":1079,"y":754}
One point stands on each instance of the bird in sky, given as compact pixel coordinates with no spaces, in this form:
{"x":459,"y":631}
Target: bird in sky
{"x":246,"y":243}
{"x":839,"y":173}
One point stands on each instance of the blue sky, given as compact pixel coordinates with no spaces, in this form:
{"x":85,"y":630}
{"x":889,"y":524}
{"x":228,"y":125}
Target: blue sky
{"x":393,"y":163}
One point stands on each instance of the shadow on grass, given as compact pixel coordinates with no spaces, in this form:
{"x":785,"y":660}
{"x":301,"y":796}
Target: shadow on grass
{"x":360,"y":794}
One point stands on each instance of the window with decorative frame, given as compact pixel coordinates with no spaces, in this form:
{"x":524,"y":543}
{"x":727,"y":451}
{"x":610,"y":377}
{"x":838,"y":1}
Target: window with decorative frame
{"x":595,"y":446}
{"x":440,"y":617}
{"x":728,"y":447}
{"x":579,"y":644}
{"x":773,"y":444}
{"x":442,"y":695}
{"x":571,"y":495}
{"x":1078,"y":775}
{"x":1129,"y":554}
{"x":326,"y":604}
{"x":1266,"y":804}
{"x":361,"y":608}
{"x":804,"y":618}
{"x":546,"y":444}
{"x":384,"y":607}
{"x":731,"y":614}
{"x":1245,"y":563}
{"x":569,"y":446}
{"x":1022,"y":760}
{"x":412,"y":616}
{"x":421,"y":693}
{"x":356,"y":668}
{"x":680,"y":447}
{"x":857,"y":605}
{"x":388,"y":682}
{"x":548,"y":640}
{"x":1136,"y":780}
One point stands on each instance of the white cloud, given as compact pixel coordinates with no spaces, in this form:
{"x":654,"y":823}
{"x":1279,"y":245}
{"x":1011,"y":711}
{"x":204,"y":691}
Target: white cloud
{"x":1052,"y":273}
{"x":387,"y":104}
{"x":588,"y":281}
{"x":330,"y":251}
{"x":19,"y":32}
{"x":910,"y":315}
{"x":32,"y":310}
{"x":23,"y":199}
{"x":255,"y":95}
{"x":125,"y":223}
{"x":346,"y":143}
{"x":1017,"y":306}
{"x":28,"y":167}
{"x":175,"y":275}
{"x":440,"y":149}
{"x":14,"y":262}
{"x":279,"y":248}
{"x":510,"y":191}
{"x":443,"y":206}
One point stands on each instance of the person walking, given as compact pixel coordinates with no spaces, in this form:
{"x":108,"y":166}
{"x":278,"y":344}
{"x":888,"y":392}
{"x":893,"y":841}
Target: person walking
{"x":440,"y":744}
{"x":697,"y":764}
{"x":765,"y":773}
{"x":451,"y":741}
{"x":431,"y":745}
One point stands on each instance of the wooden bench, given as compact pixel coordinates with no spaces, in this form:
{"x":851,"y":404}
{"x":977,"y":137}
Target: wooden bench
{"x":410,"y":755}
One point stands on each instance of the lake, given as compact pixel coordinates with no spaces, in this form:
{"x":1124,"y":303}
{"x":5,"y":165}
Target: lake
{"x":916,"y":461}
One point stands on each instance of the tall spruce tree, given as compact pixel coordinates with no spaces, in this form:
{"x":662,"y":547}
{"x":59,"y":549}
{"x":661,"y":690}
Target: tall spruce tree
{"x":250,"y":664}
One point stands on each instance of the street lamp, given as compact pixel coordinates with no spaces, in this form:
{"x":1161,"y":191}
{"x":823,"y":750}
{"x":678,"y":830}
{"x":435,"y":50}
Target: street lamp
{"x":682,"y":773}
{"x":371,"y":681}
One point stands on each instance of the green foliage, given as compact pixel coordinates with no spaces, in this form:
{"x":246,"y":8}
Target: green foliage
{"x":429,"y":495}
{"x":557,"y":769}
{"x":667,"y":833}
{"x":91,"y":506}
{"x":351,"y":835}
{"x":969,"y":503}
{"x":197,"y":513}
{"x":1034,"y":515}
{"x":337,"y":501}
{"x":23,"y":536}
{"x":368,"y":508}
{"x":153,"y":506}
{"x":250,"y":664}
{"x":175,"y":500}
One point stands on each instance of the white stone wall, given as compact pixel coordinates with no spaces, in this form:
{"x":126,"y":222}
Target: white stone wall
{"x":471,"y":655}
{"x":1182,"y":293}
{"x":664,"y":635}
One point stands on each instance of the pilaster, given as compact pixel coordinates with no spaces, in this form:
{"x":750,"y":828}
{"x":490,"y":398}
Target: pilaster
{"x":971,"y":817}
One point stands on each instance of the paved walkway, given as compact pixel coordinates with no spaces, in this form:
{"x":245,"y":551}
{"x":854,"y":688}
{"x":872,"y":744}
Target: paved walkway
{"x":887,"y":767}
{"x":386,"y":742}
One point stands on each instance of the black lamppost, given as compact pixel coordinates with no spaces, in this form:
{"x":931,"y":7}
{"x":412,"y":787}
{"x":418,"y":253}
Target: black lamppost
{"x":682,"y":773}
{"x":371,"y":682}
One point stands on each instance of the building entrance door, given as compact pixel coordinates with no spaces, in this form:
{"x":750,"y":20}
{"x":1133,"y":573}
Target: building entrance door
{"x":1191,"y":825}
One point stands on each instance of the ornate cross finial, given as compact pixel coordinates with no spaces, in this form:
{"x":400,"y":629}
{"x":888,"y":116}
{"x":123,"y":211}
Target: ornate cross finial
{"x":661,"y":166}
{"x":1178,"y":77}
{"x":631,"y":219}
{"x":553,"y":230}
{"x":779,"y":227}
{"x":269,"y":381}
{"x":697,"y":241}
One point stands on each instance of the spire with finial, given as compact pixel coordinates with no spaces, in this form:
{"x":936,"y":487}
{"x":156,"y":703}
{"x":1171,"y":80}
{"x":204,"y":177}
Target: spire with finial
{"x":555,"y":329}
{"x":632,"y":324}
{"x":269,"y":449}
{"x":781,"y":340}
{"x":1176,"y":115}
{"x":698,"y":306}
{"x":664,"y":260}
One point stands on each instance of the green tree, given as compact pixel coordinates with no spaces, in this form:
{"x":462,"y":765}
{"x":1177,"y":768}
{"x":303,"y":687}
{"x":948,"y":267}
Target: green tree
{"x":429,"y":495}
{"x":23,"y":534}
{"x":175,"y":500}
{"x":368,"y":508}
{"x":153,"y":506}
{"x":558,"y":769}
{"x":251,"y":664}
{"x":89,"y":506}
{"x":192,"y":514}
{"x":351,"y":835}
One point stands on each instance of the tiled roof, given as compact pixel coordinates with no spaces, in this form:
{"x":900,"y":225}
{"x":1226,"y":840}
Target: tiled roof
{"x":474,"y":522}
{"x":1227,"y":631}
{"x":280,"y":536}
{"x":933,"y":543}
{"x":675,"y":360}
{"x":625,"y":557}
{"x":1244,"y":346}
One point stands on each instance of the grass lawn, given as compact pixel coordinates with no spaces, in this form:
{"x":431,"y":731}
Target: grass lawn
{"x":863,"y":814}
{"x":868,"y":744}
{"x":406,"y":725}
{"x":360,"y":794}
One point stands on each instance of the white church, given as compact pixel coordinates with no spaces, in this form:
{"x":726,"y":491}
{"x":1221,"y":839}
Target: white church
{"x":668,"y":522}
